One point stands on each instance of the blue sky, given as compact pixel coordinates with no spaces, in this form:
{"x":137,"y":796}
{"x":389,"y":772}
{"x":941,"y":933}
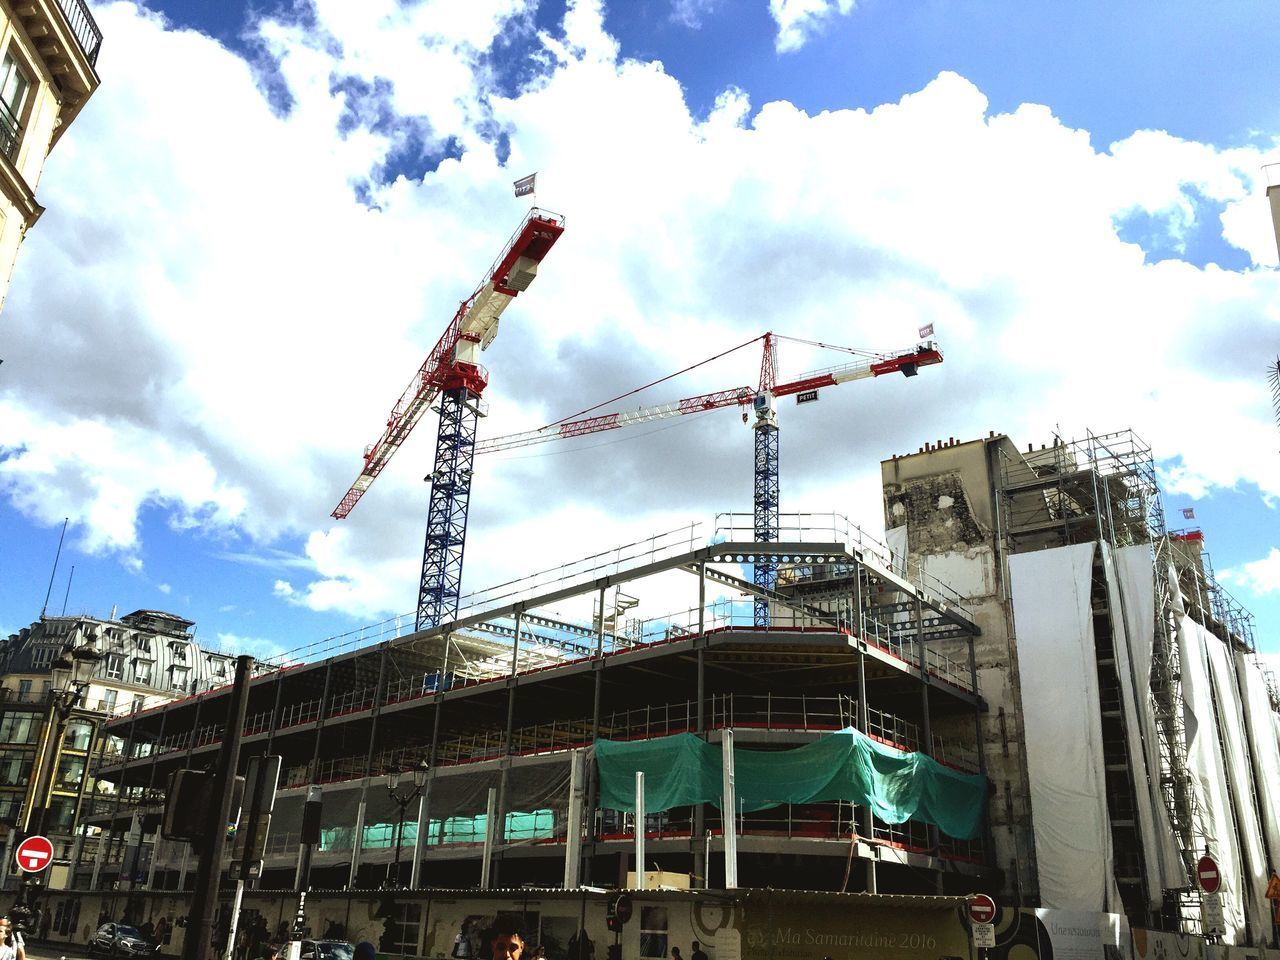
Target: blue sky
{"x":361,"y":129}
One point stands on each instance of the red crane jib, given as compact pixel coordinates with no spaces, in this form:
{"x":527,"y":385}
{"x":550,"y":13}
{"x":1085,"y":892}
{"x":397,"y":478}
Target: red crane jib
{"x":440,"y":371}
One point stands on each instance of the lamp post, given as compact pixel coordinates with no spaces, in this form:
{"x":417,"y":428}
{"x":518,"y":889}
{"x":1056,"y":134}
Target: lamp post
{"x":69,"y":675}
{"x":402,"y":801}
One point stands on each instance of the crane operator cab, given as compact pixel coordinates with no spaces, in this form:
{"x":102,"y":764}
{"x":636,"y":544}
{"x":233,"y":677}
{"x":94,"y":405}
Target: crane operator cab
{"x":766,"y":410}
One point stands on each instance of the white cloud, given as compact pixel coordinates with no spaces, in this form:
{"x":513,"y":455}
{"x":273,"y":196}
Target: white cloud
{"x":1259,"y":577}
{"x":164,"y":588}
{"x":690,"y":13}
{"x":222,"y":338}
{"x":252,"y":646}
{"x":799,"y":20}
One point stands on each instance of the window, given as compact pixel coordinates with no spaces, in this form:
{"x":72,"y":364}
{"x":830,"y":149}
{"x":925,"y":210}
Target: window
{"x":113,"y":668}
{"x":45,"y":687}
{"x":143,"y":671}
{"x":19,"y":728}
{"x":217,"y":667}
{"x":109,"y":700}
{"x":70,"y":773}
{"x":15,"y":771}
{"x":179,"y":652}
{"x":42,"y":656}
{"x":24,"y":689}
{"x":179,"y":679}
{"x":79,"y":735}
{"x":653,"y":932}
{"x":13,"y":97}
{"x":144,"y":644}
{"x":138,"y":701}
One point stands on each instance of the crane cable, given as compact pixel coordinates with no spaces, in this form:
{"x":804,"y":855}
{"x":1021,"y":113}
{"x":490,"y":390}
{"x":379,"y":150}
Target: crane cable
{"x":623,"y":396}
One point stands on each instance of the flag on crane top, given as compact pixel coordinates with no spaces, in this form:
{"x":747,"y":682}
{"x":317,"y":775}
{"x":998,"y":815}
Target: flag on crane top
{"x":1188,"y":513}
{"x":525,"y":185}
{"x":926,"y":331}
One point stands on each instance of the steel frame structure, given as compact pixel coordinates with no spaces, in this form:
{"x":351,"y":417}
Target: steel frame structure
{"x":385,"y":704}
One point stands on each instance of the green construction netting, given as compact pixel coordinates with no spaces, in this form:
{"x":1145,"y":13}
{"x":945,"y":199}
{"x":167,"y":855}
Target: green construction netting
{"x":848,"y":765}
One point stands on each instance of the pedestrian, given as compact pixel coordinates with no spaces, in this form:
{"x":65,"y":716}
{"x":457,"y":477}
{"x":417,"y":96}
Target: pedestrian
{"x":675,"y":954}
{"x":365,"y":951}
{"x":507,"y":941}
{"x":162,"y":932}
{"x":46,"y":921}
{"x":698,"y":953}
{"x":148,"y":931}
{"x":11,"y":945}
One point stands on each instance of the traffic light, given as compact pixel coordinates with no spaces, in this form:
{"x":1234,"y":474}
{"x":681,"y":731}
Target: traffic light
{"x":186,"y":806}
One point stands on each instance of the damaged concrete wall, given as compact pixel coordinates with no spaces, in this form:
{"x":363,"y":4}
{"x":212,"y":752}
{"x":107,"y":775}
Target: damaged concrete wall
{"x":946,"y":497}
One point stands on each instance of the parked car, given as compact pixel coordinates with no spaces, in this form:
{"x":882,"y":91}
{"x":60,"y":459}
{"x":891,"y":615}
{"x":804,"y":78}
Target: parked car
{"x":120,"y":940}
{"x":327,"y":950}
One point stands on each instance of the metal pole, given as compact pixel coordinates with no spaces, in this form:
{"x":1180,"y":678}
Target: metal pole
{"x":235,"y":921}
{"x":700,"y":861}
{"x":728,"y":813}
{"x":573,"y":828}
{"x":640,"y":830}
{"x":205,"y":897}
{"x":490,"y":813}
{"x":420,"y":838}
{"x":358,"y":842}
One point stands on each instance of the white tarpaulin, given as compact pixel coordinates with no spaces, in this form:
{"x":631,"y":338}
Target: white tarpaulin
{"x":1131,"y":592}
{"x":1138,"y":597}
{"x":1058,"y":664}
{"x":1208,"y":774}
{"x":1266,"y":752}
{"x":896,"y":539}
{"x":1231,"y":729}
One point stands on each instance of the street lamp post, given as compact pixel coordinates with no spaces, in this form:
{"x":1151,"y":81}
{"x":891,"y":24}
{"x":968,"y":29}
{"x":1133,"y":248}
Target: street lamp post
{"x":69,"y":675}
{"x":402,"y":801}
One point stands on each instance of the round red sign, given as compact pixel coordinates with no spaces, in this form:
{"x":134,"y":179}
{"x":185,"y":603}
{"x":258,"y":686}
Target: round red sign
{"x":1207,"y":874}
{"x":34,"y":854}
{"x":982,"y":909}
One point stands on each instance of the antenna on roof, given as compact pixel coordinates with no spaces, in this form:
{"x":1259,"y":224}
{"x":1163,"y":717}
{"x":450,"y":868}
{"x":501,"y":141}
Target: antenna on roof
{"x":70,"y":577}
{"x":1273,"y":377}
{"x":54,"y":572}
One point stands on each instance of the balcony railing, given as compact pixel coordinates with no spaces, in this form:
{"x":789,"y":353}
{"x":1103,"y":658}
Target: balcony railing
{"x":83,"y":27}
{"x":9,"y":133}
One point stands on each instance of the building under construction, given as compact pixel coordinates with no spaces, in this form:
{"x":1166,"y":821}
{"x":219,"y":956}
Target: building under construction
{"x":1032,"y":689}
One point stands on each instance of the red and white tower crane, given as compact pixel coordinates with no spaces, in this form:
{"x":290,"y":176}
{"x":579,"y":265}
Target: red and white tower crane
{"x":452,"y":372}
{"x":763,"y":400}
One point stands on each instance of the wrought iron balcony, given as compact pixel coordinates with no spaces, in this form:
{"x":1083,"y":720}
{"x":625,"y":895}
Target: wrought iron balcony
{"x":10,"y":133}
{"x":83,"y":27}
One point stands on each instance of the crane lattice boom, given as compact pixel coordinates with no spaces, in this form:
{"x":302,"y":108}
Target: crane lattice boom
{"x":453,"y":361}
{"x":905,"y":361}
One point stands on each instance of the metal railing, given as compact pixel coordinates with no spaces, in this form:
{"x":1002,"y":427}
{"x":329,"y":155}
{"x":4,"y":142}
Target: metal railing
{"x":10,"y":133}
{"x":739,"y":711}
{"x":83,"y":27}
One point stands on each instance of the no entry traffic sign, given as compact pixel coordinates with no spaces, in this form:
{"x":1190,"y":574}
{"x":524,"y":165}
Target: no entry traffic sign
{"x":34,"y":854}
{"x":982,"y":909}
{"x":1207,"y":874}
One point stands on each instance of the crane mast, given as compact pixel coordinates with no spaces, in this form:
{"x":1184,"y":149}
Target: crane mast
{"x":452,"y":373}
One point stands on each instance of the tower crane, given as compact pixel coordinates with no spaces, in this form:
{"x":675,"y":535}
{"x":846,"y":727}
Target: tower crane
{"x":452,"y":372}
{"x":763,"y":401}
